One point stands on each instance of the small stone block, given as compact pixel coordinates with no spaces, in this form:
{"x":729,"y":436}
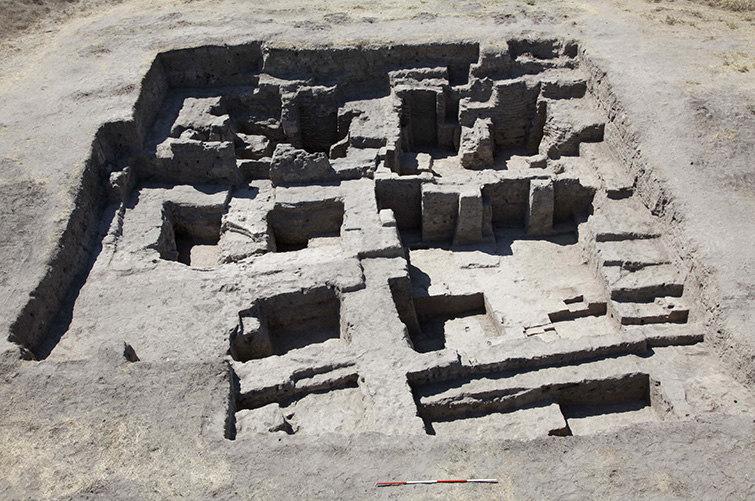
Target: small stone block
{"x":540,"y":209}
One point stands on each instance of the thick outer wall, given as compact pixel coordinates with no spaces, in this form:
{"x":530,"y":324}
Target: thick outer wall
{"x":72,"y":253}
{"x":733,"y":343}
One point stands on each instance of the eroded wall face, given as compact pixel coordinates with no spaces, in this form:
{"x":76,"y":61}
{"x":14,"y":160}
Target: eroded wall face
{"x":409,"y":240}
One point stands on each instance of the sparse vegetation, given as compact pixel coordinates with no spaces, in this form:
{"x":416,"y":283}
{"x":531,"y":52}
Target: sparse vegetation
{"x":694,"y":13}
{"x":732,"y":5}
{"x":737,"y":61}
{"x":20,"y":15}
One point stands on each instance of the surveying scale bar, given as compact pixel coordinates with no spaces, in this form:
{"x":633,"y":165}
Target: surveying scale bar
{"x":469,"y":480}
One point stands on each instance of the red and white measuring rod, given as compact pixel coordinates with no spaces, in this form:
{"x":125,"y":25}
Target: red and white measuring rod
{"x":468,"y":480}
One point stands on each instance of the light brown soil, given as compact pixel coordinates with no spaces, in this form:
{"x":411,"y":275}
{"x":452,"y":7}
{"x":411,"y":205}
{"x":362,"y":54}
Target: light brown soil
{"x":86,"y":424}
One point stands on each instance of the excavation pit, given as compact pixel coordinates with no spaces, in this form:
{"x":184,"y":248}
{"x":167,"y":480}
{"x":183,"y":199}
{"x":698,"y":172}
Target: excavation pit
{"x":590,"y":419}
{"x":313,"y":224}
{"x":452,"y":322}
{"x":288,"y":322}
{"x":190,"y":234}
{"x":196,"y":252}
{"x":506,"y":405}
{"x":329,"y":402}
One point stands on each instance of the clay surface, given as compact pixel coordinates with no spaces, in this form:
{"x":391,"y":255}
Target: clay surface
{"x":378,"y":244}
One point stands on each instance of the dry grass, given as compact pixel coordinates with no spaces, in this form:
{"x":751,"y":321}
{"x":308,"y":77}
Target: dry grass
{"x":671,"y":20}
{"x":732,"y":5}
{"x":38,"y":459}
{"x":737,"y":61}
{"x":20,"y":15}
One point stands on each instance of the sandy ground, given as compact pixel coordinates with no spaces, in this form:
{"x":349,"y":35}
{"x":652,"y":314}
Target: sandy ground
{"x":88,"y":430}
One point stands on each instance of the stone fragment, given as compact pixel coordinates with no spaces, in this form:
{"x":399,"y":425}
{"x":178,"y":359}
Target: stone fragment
{"x":528,"y":423}
{"x":476,"y":148}
{"x":373,"y":122}
{"x":661,"y":310}
{"x":588,"y":420}
{"x":618,"y":182}
{"x":244,"y":227}
{"x":511,"y":106}
{"x":669,"y":334}
{"x":644,"y":284}
{"x":254,"y":169}
{"x":439,"y":212}
{"x":235,"y":245}
{"x":414,"y":163}
{"x":493,"y":61}
{"x":115,"y":352}
{"x":251,"y":339}
{"x":120,"y":184}
{"x":356,"y":164}
{"x":261,"y":420}
{"x":477,"y":256}
{"x":192,"y":161}
{"x":203,"y":116}
{"x":577,"y":309}
{"x":632,"y":254}
{"x":539,"y":220}
{"x":537,"y":161}
{"x":568,"y":123}
{"x":129,"y":353}
{"x":339,"y":149}
{"x":566,"y":384}
{"x":252,"y":146}
{"x":294,"y":166}
{"x":625,"y":219}
{"x":387,"y":219}
{"x":469,"y":224}
{"x":26,"y":354}
{"x":565,"y":86}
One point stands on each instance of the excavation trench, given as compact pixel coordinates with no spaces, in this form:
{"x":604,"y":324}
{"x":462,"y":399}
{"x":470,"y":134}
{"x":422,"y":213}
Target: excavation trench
{"x":363,"y":206}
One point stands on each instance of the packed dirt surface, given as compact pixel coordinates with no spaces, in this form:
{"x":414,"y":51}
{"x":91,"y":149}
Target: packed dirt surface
{"x":292,"y":250}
